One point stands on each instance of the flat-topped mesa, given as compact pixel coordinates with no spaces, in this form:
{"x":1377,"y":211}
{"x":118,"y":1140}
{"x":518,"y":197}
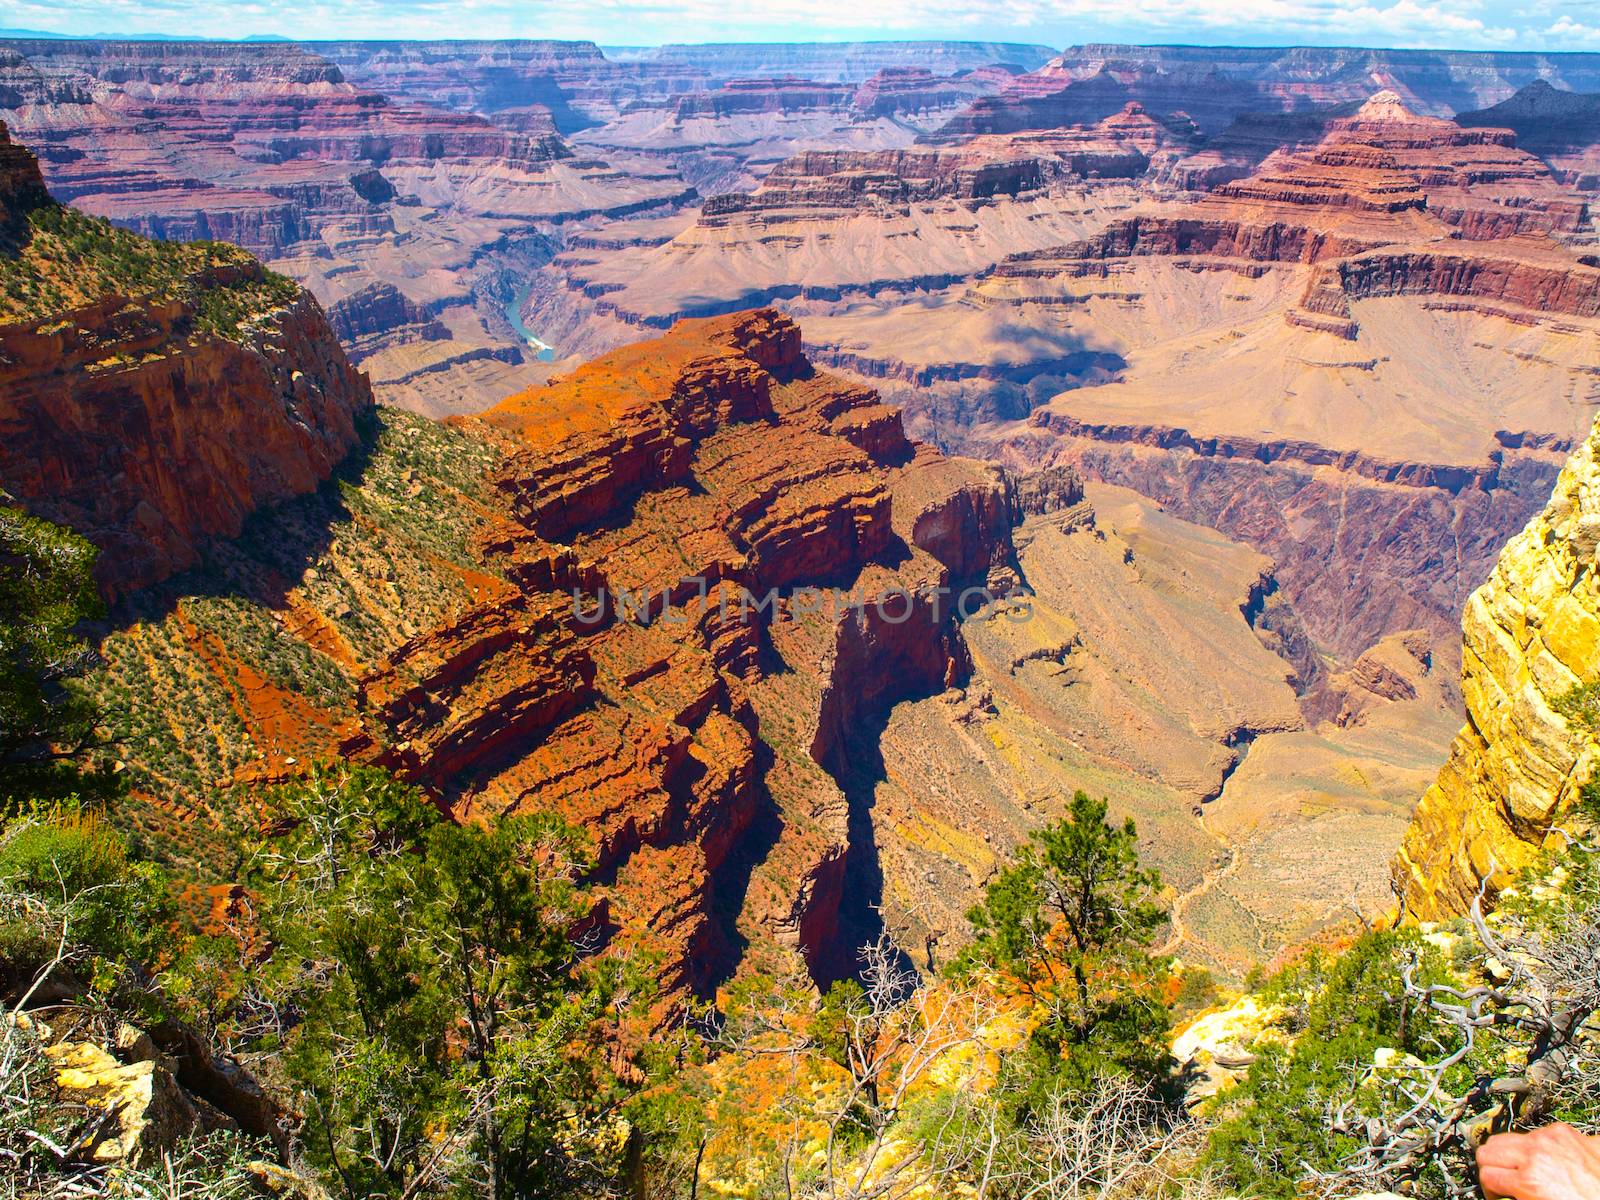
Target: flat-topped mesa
{"x":1530,"y":636}
{"x":846,"y":180}
{"x":152,"y":396}
{"x":980,"y":169}
{"x":783,"y":93}
{"x":632,"y":419}
{"x":1522,"y":275}
{"x":1212,"y":231}
{"x":896,"y":90}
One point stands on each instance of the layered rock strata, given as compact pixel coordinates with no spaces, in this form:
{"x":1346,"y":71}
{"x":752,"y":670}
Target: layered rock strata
{"x":387,"y":206}
{"x":1561,"y":126}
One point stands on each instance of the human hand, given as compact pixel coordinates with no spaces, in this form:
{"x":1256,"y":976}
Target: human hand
{"x":1555,"y":1162}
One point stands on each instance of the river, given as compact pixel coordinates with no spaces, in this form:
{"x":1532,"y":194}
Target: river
{"x":543,"y":350}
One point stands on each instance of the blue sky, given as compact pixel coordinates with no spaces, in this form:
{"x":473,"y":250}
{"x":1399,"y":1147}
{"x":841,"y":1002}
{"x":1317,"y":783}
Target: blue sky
{"x":1471,"y":24}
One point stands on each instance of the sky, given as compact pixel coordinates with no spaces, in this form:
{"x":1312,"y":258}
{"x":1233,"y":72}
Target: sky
{"x":1461,"y":24}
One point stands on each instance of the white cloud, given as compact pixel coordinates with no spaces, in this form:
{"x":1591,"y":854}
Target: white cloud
{"x":1565,"y":32}
{"x":1448,"y":23}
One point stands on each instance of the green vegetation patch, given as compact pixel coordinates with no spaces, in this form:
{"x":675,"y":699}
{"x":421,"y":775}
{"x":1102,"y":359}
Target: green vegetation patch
{"x":71,"y":259}
{"x":373,"y":557}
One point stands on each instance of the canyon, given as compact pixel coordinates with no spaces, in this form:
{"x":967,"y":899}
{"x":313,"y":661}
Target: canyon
{"x":1220,"y":377}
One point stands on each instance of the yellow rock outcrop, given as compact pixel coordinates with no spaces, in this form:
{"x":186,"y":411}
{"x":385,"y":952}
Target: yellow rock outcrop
{"x":147,"y":1112}
{"x":1530,"y":634}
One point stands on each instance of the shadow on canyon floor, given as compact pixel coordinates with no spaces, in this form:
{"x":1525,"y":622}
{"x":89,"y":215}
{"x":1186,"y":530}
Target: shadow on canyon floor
{"x":858,"y":770}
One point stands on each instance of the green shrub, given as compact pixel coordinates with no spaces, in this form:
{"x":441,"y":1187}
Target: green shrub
{"x":47,"y":591}
{"x":68,"y":890}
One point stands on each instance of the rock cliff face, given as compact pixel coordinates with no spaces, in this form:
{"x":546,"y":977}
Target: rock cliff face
{"x":693,"y":476}
{"x":1386,"y":159}
{"x":820,"y":183}
{"x":712,"y":605}
{"x":21,"y":190}
{"x":278,"y":147}
{"x":916,"y":90}
{"x":823,"y":180}
{"x":1521,"y":275}
{"x":511,"y":77}
{"x":133,"y":421}
{"x":1529,"y":636}
{"x":1208,"y":350}
{"x":784,"y":93}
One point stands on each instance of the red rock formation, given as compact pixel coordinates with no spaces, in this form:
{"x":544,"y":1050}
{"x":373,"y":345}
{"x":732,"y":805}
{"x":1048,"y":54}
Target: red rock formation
{"x":662,"y":493}
{"x":1525,"y":274}
{"x":1384,"y":159}
{"x":117,"y":421}
{"x":1378,"y":180}
{"x":125,"y":422}
{"x":631,"y":621}
{"x":1212,"y":231}
{"x":271,"y":148}
{"x":275,"y":143}
{"x":846,"y":179}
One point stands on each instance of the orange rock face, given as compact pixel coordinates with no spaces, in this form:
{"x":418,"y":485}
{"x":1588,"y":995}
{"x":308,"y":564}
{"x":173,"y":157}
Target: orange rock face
{"x":662,"y":597}
{"x":687,"y":576}
{"x":682,"y":479}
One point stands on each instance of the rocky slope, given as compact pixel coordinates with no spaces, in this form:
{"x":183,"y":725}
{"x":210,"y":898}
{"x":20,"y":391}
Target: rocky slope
{"x":1529,"y":638}
{"x":694,"y":739}
{"x":1265,"y":358}
{"x":689,"y":597}
{"x":153,"y":397}
{"x":1391,"y":215}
